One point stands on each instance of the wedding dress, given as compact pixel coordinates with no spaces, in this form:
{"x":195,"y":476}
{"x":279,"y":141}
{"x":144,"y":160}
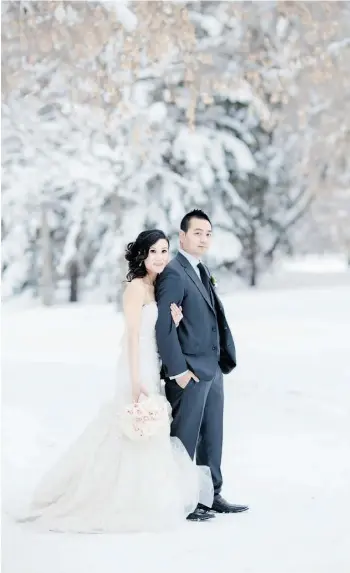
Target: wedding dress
{"x":109,"y":483}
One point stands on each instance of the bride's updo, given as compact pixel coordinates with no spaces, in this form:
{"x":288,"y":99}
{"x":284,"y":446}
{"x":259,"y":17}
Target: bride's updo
{"x":137,"y":252}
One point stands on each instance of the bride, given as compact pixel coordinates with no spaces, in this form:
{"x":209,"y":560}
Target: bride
{"x":117,"y":477}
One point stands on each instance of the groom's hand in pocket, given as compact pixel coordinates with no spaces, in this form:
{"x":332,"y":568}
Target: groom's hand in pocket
{"x":183,"y":380}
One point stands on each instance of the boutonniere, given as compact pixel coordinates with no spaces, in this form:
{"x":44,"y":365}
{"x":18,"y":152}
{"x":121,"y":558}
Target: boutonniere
{"x":213,"y":281}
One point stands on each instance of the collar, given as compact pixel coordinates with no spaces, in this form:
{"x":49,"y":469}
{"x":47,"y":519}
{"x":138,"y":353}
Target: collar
{"x":191,"y":259}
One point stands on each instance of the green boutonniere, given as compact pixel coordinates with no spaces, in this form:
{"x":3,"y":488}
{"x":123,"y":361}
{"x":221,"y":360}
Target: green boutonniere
{"x":213,"y":281}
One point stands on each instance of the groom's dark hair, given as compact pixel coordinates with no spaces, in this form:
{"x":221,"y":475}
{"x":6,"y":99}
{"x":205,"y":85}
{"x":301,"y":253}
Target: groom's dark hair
{"x":194,"y":214}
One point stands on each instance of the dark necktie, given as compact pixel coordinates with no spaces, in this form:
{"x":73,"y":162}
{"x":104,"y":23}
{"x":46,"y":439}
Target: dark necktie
{"x":204,"y":277}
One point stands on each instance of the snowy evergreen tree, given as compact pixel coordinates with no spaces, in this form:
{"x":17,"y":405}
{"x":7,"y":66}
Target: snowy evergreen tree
{"x":67,"y":162}
{"x":227,"y":164}
{"x":195,"y":106}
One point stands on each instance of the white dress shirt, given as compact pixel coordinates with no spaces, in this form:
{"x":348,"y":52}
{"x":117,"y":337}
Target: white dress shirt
{"x":194,"y":262}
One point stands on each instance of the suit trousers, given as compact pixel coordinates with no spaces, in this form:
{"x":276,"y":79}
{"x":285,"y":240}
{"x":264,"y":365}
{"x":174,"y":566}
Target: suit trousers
{"x":198,"y":421}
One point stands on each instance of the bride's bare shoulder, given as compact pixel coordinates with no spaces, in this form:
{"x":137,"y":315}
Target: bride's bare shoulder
{"x":134,"y":290}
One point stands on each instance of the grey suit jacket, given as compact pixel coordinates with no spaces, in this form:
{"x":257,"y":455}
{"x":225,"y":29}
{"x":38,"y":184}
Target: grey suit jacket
{"x":203,"y":339}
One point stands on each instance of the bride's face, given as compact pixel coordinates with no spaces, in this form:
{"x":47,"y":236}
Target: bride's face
{"x":158,"y":257}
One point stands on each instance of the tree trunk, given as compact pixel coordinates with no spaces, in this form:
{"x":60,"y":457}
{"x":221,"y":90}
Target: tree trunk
{"x":34,"y":273}
{"x":120,"y":286}
{"x":74,"y":281}
{"x":47,"y":283}
{"x":253,"y":277}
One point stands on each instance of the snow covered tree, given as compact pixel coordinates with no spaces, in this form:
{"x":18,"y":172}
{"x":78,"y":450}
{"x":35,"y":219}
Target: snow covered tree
{"x":123,"y":116}
{"x":228,"y":164}
{"x":271,"y":205}
{"x":66,"y":161}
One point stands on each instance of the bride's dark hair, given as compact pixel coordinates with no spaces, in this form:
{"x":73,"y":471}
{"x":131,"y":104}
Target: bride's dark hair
{"x":137,"y":252}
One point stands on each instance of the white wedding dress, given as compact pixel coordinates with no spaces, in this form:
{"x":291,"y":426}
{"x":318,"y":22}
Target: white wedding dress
{"x":109,"y":483}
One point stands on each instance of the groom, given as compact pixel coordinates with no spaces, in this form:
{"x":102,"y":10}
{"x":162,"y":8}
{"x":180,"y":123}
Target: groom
{"x":196,"y":354}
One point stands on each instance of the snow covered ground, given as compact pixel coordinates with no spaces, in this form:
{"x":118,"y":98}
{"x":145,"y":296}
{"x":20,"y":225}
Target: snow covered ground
{"x":287,"y":443}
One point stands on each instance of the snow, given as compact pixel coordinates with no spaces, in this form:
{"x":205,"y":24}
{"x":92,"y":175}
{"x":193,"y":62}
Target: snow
{"x":108,"y":177}
{"x":225,"y":246}
{"x":125,"y":16}
{"x":209,"y":24}
{"x":286,"y":451}
{"x":241,"y":152}
{"x":157,"y":113}
{"x":315,"y":264}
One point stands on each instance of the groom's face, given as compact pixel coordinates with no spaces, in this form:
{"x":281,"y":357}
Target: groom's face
{"x":197,"y":240}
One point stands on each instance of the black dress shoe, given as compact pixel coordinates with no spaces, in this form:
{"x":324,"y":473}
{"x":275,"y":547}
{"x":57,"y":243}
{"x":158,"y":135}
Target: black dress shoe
{"x":200,"y":514}
{"x":220,"y":505}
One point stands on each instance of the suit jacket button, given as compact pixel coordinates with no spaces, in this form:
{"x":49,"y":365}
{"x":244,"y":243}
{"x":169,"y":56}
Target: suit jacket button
{"x":214,"y":347}
{"x":214,"y":329}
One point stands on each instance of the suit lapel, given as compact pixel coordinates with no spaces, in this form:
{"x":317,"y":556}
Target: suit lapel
{"x":194,"y":277}
{"x":217,"y":299}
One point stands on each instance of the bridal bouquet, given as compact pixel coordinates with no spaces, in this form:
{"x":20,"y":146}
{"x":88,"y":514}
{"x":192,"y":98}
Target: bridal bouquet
{"x":145,"y":419}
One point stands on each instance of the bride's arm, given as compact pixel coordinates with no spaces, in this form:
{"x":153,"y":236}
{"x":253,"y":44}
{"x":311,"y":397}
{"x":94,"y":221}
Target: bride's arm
{"x":132,"y":303}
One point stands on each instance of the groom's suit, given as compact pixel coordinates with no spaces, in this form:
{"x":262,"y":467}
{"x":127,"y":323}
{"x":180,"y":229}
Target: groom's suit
{"x":203,"y":344}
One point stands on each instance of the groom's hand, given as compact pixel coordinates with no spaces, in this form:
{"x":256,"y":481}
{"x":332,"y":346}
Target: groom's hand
{"x":183,"y":380}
